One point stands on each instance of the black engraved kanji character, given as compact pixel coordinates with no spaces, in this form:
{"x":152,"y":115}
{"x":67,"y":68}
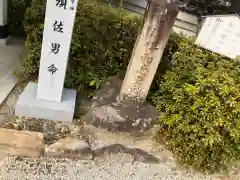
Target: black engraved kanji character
{"x":61,"y":3}
{"x":52,"y":69}
{"x":58,"y":26}
{"x":152,"y":45}
{"x":151,"y":31}
{"x":55,"y":48}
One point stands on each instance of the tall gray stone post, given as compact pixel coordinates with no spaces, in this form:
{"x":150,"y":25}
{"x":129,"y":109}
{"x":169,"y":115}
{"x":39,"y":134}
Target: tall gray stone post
{"x":124,"y":110}
{"x":159,"y":19}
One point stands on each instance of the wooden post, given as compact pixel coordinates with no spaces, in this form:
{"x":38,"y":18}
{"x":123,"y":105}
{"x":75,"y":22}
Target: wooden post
{"x":159,"y":19}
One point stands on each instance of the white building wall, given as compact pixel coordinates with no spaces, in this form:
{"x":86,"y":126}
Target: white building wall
{"x":185,"y":23}
{"x":3,"y":12}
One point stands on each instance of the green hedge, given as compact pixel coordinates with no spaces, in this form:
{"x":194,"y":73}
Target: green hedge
{"x":101,"y":45}
{"x":103,"y":39}
{"x":16,"y":11}
{"x":199,"y":101}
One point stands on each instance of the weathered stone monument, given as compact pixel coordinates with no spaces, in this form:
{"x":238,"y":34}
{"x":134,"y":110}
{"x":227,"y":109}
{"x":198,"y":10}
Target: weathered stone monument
{"x":148,"y":50}
{"x":3,"y":22}
{"x":126,"y":109}
{"x":48,"y":99}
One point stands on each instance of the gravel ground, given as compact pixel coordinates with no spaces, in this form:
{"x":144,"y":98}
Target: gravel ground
{"x":12,"y":168}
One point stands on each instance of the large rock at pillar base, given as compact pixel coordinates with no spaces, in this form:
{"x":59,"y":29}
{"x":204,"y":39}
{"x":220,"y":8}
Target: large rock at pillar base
{"x":108,"y":113}
{"x":117,"y":117}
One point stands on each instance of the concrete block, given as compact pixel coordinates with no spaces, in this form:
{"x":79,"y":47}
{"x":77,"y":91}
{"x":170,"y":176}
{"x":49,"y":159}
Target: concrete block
{"x":4,"y":42}
{"x":28,"y":105}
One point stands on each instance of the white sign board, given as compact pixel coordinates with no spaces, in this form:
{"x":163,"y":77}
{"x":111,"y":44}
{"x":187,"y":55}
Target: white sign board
{"x":221,"y":35}
{"x":59,"y":22}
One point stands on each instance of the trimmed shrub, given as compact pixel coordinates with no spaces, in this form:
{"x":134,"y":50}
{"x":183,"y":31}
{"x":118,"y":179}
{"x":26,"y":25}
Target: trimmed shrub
{"x":16,"y":11}
{"x":199,"y":101}
{"x":102,"y":43}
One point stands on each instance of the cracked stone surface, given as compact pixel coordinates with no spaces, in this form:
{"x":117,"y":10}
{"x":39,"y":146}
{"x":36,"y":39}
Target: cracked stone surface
{"x":69,"y":147}
{"x":68,"y":140}
{"x":108,"y":113}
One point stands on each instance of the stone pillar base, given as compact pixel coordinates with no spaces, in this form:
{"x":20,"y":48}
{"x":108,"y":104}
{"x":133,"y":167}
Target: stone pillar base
{"x":5,"y":41}
{"x":108,"y":113}
{"x":28,"y":105}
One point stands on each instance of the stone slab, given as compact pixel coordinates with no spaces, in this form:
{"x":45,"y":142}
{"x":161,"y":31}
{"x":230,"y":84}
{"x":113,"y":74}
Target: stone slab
{"x":71,"y":148}
{"x":28,"y":105}
{"x":21,"y":143}
{"x":10,"y":60}
{"x":7,"y":86}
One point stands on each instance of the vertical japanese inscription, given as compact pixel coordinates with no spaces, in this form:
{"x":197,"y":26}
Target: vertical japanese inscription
{"x":158,"y":21}
{"x":57,"y":27}
{"x":150,"y":46}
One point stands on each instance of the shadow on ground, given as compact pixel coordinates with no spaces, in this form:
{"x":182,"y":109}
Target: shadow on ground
{"x":119,"y":149}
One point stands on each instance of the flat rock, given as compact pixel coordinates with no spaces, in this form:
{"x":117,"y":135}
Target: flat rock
{"x":108,"y":113}
{"x":123,"y":153}
{"x":69,"y":147}
{"x":114,"y":152}
{"x":21,"y":143}
{"x":108,"y":93}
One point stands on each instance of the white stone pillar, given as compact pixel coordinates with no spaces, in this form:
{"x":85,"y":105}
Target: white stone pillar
{"x":159,"y":19}
{"x":48,"y":99}
{"x":57,"y":39}
{"x":3,"y":19}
